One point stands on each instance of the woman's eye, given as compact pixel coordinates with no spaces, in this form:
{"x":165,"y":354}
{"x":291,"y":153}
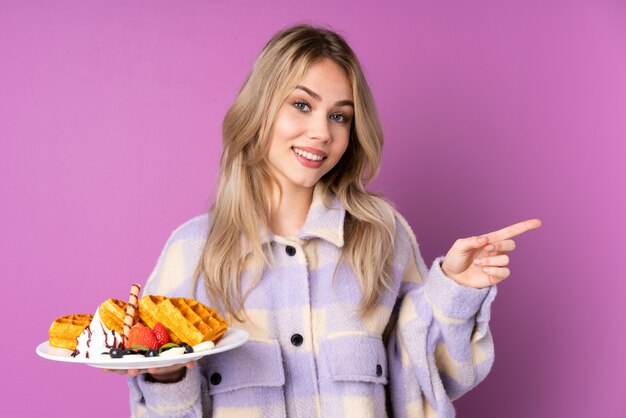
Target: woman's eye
{"x":339,"y":117}
{"x":302,"y":106}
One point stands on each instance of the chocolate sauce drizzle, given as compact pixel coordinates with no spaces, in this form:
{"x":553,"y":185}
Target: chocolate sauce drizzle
{"x":108,"y":344}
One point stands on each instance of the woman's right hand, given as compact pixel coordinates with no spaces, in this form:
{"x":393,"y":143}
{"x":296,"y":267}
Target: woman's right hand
{"x":169,"y":374}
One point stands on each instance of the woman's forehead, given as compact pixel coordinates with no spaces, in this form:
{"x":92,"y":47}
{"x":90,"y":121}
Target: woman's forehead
{"x":325,"y":80}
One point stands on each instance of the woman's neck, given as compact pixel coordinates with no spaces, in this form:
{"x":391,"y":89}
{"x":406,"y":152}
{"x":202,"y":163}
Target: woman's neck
{"x":289,"y":211}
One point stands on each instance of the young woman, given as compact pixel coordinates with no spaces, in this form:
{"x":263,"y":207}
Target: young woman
{"x":345,"y":318}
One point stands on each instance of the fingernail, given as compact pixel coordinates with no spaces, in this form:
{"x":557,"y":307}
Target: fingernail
{"x":478,"y":261}
{"x":490,"y":247}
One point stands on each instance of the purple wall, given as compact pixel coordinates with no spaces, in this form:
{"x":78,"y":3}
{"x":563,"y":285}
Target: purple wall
{"x":494,"y":112}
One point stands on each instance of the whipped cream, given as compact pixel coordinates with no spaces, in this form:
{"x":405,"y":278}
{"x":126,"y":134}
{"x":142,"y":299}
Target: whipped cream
{"x":206,"y":345}
{"x":95,"y":339}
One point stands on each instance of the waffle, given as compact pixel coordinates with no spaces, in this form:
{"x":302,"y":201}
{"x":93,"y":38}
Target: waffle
{"x":64,"y":330}
{"x":148,"y":308}
{"x":112,"y":313}
{"x":186,"y":320}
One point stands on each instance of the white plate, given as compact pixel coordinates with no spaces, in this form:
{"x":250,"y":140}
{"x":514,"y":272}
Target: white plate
{"x":232,"y":339}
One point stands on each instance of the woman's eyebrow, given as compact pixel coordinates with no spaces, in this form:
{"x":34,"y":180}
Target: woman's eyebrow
{"x":309,"y":92}
{"x":319,"y":98}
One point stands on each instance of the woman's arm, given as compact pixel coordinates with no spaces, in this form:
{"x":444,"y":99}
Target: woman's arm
{"x":440,"y":346}
{"x":177,"y":390}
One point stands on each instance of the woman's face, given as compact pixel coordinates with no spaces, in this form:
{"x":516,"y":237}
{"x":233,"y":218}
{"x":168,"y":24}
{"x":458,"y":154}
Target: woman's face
{"x":312,"y":127}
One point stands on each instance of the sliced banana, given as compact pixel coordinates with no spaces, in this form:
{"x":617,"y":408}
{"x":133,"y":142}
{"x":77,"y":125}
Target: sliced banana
{"x":174,"y":351}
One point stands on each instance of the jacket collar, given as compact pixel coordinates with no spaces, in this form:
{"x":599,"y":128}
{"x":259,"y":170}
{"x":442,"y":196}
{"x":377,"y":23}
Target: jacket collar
{"x":324,"y":222}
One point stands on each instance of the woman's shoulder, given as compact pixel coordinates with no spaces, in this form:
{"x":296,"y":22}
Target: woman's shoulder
{"x":194,"y":228}
{"x":389,"y":211}
{"x":404,"y":235}
{"x":406,"y":242}
{"x":386,"y":211}
{"x":402,"y":225}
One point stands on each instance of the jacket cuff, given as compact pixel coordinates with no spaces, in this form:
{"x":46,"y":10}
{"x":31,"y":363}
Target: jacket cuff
{"x":168,"y":398}
{"x":452,"y":299}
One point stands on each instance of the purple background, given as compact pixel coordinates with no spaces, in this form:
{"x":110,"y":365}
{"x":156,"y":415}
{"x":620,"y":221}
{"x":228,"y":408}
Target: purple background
{"x":494,"y":112}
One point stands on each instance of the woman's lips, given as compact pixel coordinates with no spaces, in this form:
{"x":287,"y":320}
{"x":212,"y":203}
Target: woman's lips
{"x":309,"y":157}
{"x":310,"y":150}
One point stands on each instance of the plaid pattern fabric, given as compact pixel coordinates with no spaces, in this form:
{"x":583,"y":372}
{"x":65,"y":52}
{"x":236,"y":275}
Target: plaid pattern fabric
{"x":310,"y":353}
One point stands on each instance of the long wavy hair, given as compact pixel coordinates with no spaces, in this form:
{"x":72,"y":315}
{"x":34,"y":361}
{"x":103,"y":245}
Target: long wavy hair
{"x":242,"y":202}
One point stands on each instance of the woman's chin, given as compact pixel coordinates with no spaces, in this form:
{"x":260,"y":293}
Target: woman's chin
{"x":303,"y":183}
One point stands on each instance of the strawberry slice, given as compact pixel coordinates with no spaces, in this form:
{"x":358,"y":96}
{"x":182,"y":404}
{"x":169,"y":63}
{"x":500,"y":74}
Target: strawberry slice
{"x":161,"y":334}
{"x":142,"y":335}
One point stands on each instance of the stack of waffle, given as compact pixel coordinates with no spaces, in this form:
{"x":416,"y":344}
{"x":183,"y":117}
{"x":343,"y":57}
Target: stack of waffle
{"x":186,"y":320}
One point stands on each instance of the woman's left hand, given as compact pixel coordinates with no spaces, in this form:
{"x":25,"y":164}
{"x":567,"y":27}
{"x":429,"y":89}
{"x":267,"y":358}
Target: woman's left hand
{"x":481,"y":261}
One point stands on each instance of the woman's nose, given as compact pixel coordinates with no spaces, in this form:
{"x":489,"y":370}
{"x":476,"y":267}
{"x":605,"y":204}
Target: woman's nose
{"x":319,"y":128}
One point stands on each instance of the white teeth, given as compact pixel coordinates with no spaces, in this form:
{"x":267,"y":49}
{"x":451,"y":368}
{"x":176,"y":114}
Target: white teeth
{"x":308,"y":155}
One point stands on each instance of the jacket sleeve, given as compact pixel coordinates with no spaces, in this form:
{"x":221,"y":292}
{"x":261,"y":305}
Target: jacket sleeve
{"x":172,"y":276}
{"x":440,"y":346}
{"x":183,"y":399}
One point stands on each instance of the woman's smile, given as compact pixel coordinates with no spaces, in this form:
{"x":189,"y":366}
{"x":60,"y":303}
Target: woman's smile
{"x":309,"y":157}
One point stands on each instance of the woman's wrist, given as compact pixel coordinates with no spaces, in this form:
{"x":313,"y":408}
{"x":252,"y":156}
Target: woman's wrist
{"x":172,"y":377}
{"x":443,"y":269}
{"x":448,"y":274}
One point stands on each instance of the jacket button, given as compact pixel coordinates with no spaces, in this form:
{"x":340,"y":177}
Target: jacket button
{"x":215,"y":379}
{"x":291,"y":251}
{"x":297,"y":340}
{"x":379,"y":370}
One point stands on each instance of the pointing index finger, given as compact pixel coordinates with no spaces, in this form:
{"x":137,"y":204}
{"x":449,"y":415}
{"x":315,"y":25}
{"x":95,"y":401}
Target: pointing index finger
{"x":513,"y":230}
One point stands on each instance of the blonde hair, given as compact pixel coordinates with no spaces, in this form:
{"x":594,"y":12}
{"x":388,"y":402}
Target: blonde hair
{"x":241,"y":208}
